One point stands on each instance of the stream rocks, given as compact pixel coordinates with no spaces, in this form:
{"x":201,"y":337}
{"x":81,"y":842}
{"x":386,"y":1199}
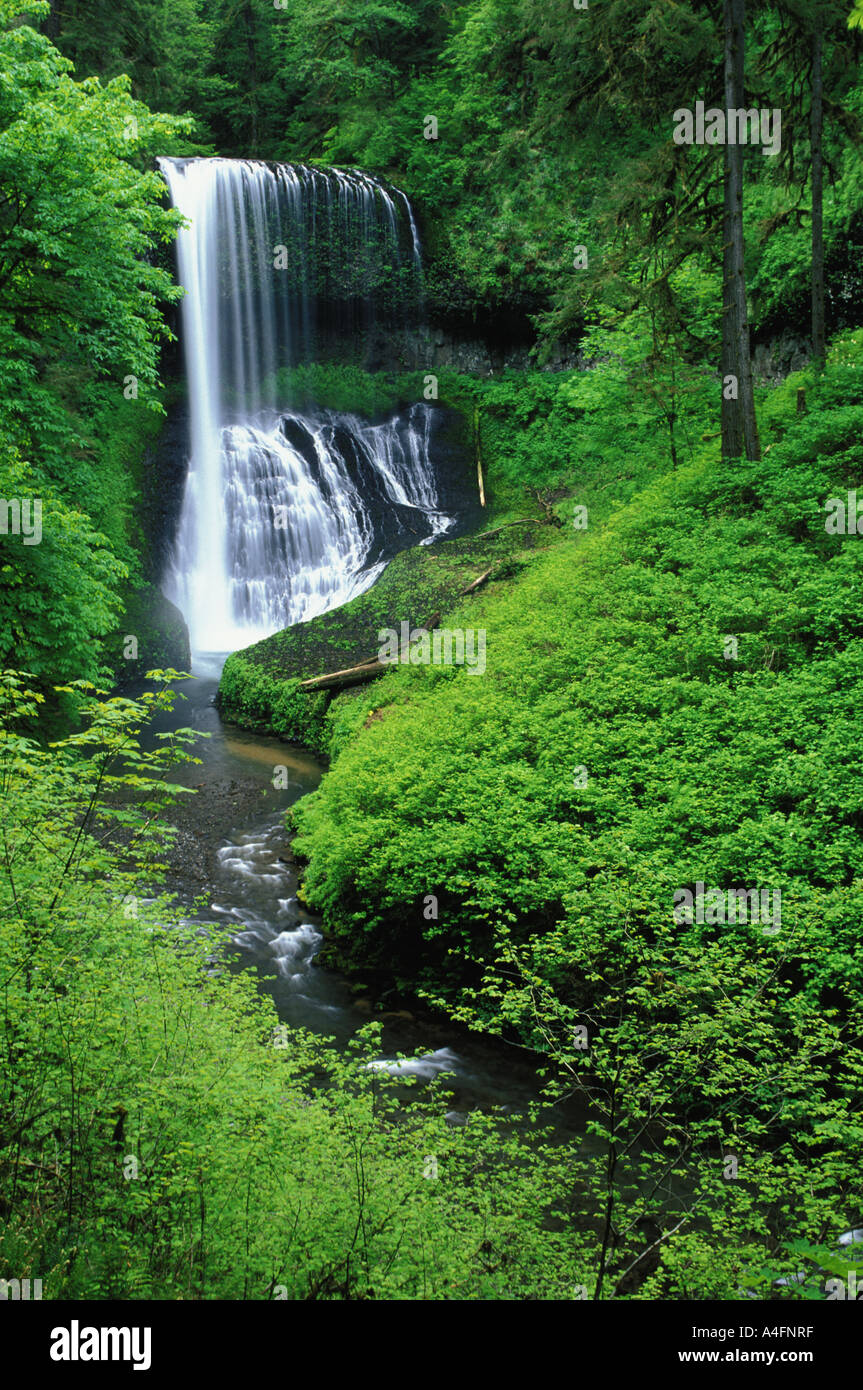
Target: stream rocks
{"x":204,"y":821}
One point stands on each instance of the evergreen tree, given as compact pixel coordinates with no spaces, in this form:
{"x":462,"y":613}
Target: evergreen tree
{"x":809,"y":62}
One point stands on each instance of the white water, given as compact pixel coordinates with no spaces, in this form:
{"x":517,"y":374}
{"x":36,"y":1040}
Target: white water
{"x":286,"y":515}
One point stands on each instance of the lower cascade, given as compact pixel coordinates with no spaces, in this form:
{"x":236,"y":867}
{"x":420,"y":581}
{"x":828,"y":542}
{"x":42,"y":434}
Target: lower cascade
{"x":287,"y":514}
{"x":310,"y":508}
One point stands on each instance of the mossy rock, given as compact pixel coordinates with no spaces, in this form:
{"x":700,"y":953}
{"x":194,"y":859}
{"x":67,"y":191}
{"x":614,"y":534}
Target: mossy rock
{"x":153,"y":636}
{"x":260,"y":685}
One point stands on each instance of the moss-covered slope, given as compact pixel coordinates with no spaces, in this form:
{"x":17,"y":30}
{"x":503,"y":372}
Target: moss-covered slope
{"x":260,"y":685}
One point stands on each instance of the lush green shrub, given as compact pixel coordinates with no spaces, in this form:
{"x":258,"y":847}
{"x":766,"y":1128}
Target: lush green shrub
{"x":704,"y":761}
{"x":159,"y":1137}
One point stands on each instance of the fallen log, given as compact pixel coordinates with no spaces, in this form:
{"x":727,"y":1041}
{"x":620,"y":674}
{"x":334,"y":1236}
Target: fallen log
{"x":370,"y":668}
{"x":365,"y":670}
{"x":475,"y":585}
{"x":353,"y":675}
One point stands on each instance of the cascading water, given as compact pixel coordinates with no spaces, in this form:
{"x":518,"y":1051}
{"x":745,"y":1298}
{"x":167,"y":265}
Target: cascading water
{"x":286,"y":515}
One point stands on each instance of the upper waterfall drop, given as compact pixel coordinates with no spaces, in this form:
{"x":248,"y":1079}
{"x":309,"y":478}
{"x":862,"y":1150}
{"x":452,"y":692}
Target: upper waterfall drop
{"x":285,"y":515}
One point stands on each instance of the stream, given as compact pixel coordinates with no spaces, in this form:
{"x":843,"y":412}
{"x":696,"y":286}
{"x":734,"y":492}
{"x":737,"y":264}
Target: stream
{"x":232,"y":867}
{"x":286,"y":515}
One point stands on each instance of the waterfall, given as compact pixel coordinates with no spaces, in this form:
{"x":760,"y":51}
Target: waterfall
{"x":284,"y":514}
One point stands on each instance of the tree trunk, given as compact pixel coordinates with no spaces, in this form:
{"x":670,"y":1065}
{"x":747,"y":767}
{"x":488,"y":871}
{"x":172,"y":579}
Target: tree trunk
{"x":739,"y":427}
{"x":51,"y":23}
{"x":354,"y":675}
{"x":819,"y":347}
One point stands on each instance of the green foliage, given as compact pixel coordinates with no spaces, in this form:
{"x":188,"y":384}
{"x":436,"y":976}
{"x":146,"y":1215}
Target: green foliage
{"x":79,"y":296}
{"x":252,"y":696}
{"x":554,"y":131}
{"x":59,"y":596}
{"x":346,"y":388}
{"x":82,"y":218}
{"x":705,"y":1074}
{"x":162,"y":47}
{"x":149,"y":1093}
{"x":609,"y":653}
{"x":708,"y":1042}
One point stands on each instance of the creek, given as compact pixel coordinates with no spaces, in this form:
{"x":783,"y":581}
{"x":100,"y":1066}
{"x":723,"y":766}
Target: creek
{"x":287,"y":514}
{"x":232,"y":872}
